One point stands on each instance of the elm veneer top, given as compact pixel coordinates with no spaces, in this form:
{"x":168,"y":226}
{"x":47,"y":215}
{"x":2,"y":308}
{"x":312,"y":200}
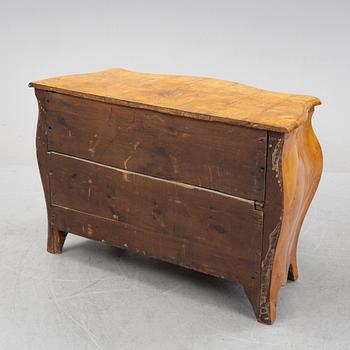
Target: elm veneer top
{"x":193,"y":97}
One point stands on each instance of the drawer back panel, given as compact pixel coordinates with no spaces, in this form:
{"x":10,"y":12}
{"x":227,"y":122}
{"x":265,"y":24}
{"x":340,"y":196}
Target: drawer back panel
{"x":197,"y":221}
{"x":213,"y":155}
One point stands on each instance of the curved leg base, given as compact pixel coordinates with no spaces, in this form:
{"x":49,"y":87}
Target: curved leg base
{"x":55,"y":240}
{"x":293,"y":273}
{"x":265,"y":311}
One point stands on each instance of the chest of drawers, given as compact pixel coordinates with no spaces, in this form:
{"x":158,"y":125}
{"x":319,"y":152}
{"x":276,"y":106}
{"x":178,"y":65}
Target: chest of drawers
{"x":207,"y":174}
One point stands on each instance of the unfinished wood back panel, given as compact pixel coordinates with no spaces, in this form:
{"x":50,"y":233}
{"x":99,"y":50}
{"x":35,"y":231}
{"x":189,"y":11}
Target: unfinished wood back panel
{"x":226,"y":158}
{"x":196,"y":218}
{"x":198,"y":255}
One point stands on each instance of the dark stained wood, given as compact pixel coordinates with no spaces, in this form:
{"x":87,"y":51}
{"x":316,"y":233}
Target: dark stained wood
{"x":195,"y":254}
{"x":42,"y":148}
{"x":264,"y":306}
{"x":228,"y":159}
{"x":157,"y":204}
{"x":301,"y":170}
{"x":193,"y":216}
{"x":55,"y":238}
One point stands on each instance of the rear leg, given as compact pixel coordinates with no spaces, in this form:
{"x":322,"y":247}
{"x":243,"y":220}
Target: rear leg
{"x":55,"y":240}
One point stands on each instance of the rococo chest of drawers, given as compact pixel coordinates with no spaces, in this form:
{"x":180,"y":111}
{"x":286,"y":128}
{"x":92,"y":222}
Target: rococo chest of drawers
{"x":207,"y":174}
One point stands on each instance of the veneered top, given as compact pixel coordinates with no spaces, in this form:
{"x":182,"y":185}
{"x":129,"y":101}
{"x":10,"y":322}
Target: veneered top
{"x":193,"y":97}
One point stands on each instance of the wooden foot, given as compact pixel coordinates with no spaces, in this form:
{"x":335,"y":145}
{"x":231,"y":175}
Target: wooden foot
{"x":293,"y":270}
{"x":267,"y":313}
{"x":55,"y":240}
{"x":265,"y":310}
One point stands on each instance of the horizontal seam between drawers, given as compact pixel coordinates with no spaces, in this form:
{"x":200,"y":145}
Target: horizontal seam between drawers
{"x":181,"y":184}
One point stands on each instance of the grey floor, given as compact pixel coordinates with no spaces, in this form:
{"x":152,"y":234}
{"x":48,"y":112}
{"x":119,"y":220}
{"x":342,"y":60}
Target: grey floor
{"x":92,"y":297}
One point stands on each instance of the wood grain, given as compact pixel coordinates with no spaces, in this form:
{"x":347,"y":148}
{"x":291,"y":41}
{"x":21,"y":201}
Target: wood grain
{"x":265,"y":307}
{"x":199,"y":222}
{"x":301,"y":171}
{"x":226,"y":158}
{"x":193,"y":97}
{"x":196,"y":255}
{"x":55,"y":238}
{"x":294,"y":167}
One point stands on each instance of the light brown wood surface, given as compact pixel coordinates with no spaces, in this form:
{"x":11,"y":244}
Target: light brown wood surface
{"x":194,"y":97}
{"x":302,"y":163}
{"x":294,"y":167}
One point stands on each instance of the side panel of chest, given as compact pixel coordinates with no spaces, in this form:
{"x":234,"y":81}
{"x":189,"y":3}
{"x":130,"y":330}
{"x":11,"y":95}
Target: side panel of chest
{"x":225,"y":158}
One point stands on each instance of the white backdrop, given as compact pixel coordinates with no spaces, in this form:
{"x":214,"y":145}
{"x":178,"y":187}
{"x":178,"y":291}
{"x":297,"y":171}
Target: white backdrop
{"x":295,"y":46}
{"x":90,"y":297}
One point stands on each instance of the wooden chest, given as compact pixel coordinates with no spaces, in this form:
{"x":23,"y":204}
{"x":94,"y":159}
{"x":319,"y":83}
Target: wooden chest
{"x":207,"y":174}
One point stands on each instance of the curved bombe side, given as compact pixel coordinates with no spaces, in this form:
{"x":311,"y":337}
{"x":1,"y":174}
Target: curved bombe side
{"x":301,"y":167}
{"x":56,"y":237}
